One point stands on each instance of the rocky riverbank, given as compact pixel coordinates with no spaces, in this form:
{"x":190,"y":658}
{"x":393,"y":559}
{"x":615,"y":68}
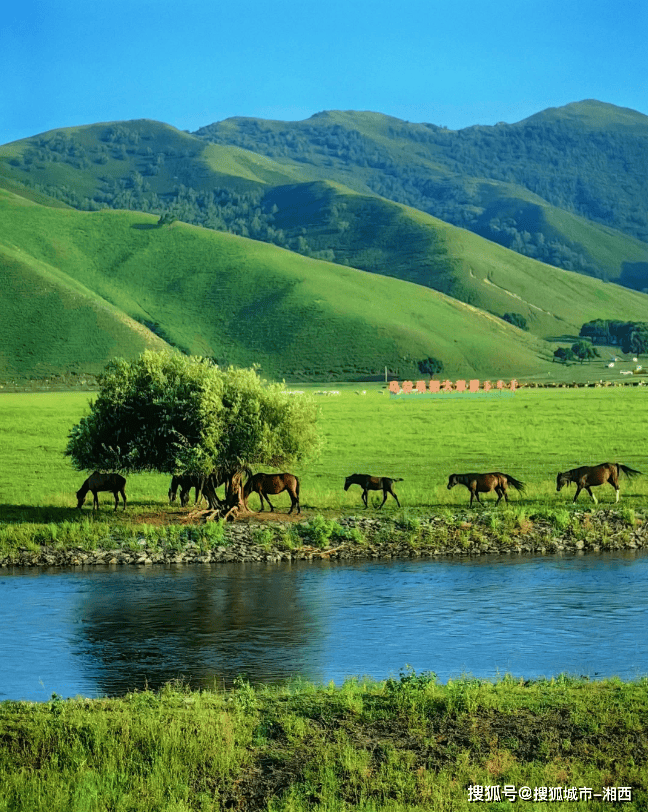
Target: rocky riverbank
{"x":353,"y":537}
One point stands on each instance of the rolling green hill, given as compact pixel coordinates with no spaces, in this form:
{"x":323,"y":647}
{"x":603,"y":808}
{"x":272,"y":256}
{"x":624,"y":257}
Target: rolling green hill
{"x":530,"y":186}
{"x":88,"y":285}
{"x":50,"y":322}
{"x":375,"y":235}
{"x":238,"y":300}
{"x":567,"y":186}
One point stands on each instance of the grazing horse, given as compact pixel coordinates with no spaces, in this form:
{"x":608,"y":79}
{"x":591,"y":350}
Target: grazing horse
{"x":486,"y":483}
{"x":587,"y":476}
{"x":373,"y":483}
{"x":263,"y":484}
{"x":186,"y":482}
{"x":115,"y":483}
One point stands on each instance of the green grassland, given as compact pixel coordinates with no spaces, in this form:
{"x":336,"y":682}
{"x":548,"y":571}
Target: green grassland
{"x":406,"y":744}
{"x":531,"y":435}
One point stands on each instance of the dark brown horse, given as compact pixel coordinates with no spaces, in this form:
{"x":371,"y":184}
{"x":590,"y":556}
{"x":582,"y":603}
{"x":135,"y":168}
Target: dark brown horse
{"x":263,"y":484}
{"x":486,"y":483}
{"x":373,"y":483}
{"x":115,"y":483}
{"x":588,"y":476}
{"x":186,"y":482}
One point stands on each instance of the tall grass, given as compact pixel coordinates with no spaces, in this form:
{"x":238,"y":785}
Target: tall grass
{"x":405,"y":744}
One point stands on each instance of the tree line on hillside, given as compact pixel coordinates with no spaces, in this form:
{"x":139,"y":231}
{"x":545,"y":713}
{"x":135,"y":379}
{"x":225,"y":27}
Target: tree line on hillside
{"x":539,"y":156}
{"x":631,"y":336}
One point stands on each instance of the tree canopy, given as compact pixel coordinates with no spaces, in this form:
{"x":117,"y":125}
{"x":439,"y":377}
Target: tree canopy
{"x":174,"y":414}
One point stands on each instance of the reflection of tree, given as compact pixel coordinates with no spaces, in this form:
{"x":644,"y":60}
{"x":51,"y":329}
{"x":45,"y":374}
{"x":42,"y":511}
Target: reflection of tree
{"x":205,"y":625}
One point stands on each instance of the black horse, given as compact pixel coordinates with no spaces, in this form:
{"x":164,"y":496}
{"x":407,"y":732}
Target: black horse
{"x":263,"y":484}
{"x":588,"y":476}
{"x":186,"y":482}
{"x":373,"y":483}
{"x":115,"y":483}
{"x":486,"y":483}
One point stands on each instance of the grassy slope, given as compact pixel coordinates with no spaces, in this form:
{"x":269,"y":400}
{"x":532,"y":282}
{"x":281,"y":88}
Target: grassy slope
{"x":191,"y":161}
{"x":50,"y":323}
{"x":383,"y":237}
{"x":609,"y":249}
{"x":243,"y":301}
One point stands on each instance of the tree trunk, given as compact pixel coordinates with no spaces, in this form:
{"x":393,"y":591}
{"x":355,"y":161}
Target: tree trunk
{"x":229,"y":507}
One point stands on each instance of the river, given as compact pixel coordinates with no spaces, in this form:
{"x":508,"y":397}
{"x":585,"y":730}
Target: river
{"x":103,"y":631}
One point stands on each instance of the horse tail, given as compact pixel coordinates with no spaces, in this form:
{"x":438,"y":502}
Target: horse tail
{"x":629,"y":472}
{"x":520,"y":486}
{"x":398,"y":479}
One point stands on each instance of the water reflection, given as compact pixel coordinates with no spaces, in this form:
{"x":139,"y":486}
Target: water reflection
{"x":109,"y":630}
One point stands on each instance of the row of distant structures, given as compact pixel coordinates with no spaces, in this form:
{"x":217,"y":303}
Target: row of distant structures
{"x":436,"y":387}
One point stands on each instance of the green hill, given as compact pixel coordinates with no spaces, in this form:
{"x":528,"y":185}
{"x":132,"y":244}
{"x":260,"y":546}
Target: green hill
{"x":375,"y":235}
{"x":567,"y":186}
{"x":50,"y":323}
{"x":587,"y":161}
{"x":238,"y":300}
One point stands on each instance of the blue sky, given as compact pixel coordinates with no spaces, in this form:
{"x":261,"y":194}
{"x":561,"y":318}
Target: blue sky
{"x":71,"y":62}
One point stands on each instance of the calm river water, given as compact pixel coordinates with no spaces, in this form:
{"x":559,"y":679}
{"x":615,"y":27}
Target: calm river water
{"x":102,"y":632}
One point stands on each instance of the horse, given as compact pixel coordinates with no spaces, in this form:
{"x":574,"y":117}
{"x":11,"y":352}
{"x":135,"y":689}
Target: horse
{"x":115,"y":483}
{"x":588,"y":476}
{"x":263,"y":484}
{"x":186,"y":482}
{"x":486,"y":483}
{"x":373,"y":483}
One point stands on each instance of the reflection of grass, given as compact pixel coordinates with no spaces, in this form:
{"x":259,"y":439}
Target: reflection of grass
{"x":409,"y":743}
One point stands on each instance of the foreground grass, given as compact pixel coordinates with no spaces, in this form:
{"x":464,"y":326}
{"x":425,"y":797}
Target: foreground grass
{"x":403,"y":744}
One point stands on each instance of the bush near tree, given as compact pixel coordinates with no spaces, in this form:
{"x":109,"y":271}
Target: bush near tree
{"x":174,"y":414}
{"x":584,"y":351}
{"x":564,"y":354}
{"x":430,"y":366}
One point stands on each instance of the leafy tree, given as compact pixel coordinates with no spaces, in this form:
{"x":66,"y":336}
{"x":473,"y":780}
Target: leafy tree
{"x":517,"y":320}
{"x":564,"y":354}
{"x":170,"y":413}
{"x":584,"y":351}
{"x":635,"y":338}
{"x":430,"y":366}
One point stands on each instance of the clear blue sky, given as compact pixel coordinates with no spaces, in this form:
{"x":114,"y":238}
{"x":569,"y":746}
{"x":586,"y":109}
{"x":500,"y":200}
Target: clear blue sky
{"x":192,"y":62}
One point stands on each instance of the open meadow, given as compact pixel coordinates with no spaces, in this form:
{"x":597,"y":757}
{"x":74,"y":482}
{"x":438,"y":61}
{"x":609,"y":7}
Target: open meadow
{"x":532,"y":436}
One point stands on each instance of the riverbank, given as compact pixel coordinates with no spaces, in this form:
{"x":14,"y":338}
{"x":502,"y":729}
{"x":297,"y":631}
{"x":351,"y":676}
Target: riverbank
{"x":403,"y":744}
{"x":513,"y":531}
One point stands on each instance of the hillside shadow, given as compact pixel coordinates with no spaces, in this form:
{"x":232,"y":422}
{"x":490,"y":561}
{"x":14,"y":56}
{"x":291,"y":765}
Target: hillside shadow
{"x":145,"y":226}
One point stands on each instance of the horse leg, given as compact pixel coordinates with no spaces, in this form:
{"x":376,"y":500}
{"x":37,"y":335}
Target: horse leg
{"x":589,"y":490}
{"x":116,"y":495}
{"x":95,"y":500}
{"x":294,"y":500}
{"x":395,"y":497}
{"x":579,"y":488}
{"x":364,"y":498}
{"x":123,"y":493}
{"x":269,"y":502}
{"x":384,"y":498}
